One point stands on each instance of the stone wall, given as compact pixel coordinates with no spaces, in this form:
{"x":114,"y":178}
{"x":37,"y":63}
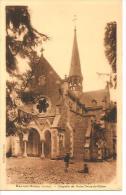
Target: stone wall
{"x":79,"y":125}
{"x":110,"y":136}
{"x":75,"y":126}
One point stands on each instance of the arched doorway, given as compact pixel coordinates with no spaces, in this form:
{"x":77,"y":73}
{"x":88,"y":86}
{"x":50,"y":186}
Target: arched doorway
{"x":47,"y":144}
{"x":34,"y":145}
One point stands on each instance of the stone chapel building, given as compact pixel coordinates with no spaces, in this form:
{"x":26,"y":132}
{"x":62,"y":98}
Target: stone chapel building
{"x":57,"y":116}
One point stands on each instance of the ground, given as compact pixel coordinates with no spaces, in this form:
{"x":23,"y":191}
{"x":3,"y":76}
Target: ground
{"x":41,"y":171}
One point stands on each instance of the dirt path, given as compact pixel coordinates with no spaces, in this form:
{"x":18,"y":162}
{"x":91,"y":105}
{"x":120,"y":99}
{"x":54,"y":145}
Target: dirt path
{"x":38,"y":171}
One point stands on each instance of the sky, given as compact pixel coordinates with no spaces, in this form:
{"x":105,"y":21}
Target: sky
{"x":55,"y":19}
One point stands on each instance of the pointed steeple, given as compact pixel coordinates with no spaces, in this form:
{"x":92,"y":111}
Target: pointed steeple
{"x":75,"y":69}
{"x":75,"y":74}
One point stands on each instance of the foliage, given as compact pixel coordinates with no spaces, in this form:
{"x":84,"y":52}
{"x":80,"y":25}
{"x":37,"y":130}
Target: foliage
{"x":11,"y":128}
{"x":21,"y":37}
{"x":110,"y":44}
{"x":111,"y":113}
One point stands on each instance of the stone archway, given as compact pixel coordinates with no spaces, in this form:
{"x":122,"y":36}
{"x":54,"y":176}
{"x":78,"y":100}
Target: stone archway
{"x":47,"y":144}
{"x":34,"y":144}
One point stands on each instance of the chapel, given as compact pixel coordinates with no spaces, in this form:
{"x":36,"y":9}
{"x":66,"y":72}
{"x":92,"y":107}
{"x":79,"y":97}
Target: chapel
{"x":58,"y":116}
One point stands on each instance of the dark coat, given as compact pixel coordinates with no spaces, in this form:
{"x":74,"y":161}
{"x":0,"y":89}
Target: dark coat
{"x":66,"y":158}
{"x":86,"y":170}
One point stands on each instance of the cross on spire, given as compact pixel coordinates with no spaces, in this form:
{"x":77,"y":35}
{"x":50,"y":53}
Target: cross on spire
{"x":75,"y":69}
{"x":74,"y":20}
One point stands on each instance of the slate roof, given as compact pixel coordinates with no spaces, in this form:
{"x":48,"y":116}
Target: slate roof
{"x":99,"y":96}
{"x":52,"y":80}
{"x":43,"y":67}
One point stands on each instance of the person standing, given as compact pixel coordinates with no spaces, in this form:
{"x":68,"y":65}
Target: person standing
{"x":66,"y":161}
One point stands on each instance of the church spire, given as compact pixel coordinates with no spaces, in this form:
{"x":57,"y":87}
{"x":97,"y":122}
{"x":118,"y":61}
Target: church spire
{"x":75,"y":75}
{"x":75,"y":69}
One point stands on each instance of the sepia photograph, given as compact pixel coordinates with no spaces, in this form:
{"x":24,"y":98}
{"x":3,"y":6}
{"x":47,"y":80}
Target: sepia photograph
{"x":63,"y":110}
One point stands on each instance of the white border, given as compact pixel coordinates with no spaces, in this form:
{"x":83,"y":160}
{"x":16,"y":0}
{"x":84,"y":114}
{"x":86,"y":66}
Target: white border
{"x":124,"y":127}
{"x":124,"y":96}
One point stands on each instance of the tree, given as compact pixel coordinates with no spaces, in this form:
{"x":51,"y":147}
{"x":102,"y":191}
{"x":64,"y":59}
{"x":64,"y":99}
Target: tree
{"x":21,"y":37}
{"x":110,"y":40}
{"x":110,"y":44}
{"x":111,"y":113}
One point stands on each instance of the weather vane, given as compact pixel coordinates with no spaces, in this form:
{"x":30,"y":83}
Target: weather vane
{"x":74,"y":20}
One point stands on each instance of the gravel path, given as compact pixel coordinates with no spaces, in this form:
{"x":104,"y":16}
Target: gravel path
{"x":38,"y":171}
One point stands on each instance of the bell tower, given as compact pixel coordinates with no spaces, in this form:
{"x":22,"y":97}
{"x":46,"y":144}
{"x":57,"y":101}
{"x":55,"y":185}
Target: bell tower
{"x":75,"y":75}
